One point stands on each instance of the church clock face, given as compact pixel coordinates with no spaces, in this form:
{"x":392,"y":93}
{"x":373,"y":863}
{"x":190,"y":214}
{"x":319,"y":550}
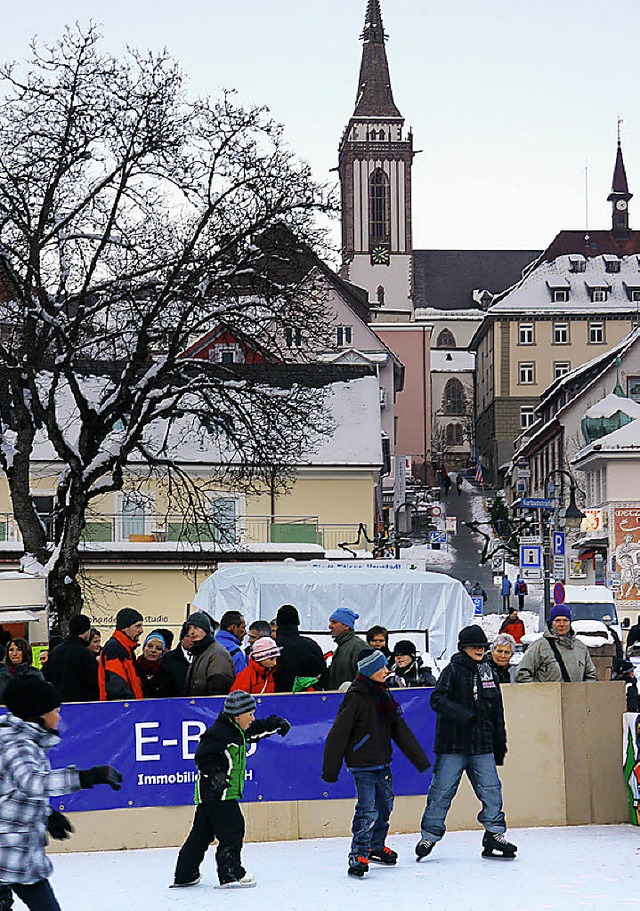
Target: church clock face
{"x":621,"y":205}
{"x":380,"y":255}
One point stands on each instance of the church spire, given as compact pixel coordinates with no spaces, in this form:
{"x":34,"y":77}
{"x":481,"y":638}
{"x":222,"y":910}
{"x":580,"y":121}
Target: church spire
{"x":620,"y":195}
{"x":375,"y":98}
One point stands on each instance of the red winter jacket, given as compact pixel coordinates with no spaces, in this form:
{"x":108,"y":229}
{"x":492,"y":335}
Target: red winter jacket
{"x":515,"y":628}
{"x":255,"y":679}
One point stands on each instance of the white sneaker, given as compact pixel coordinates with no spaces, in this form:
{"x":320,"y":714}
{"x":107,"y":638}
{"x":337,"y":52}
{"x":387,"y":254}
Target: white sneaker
{"x":248,"y":881}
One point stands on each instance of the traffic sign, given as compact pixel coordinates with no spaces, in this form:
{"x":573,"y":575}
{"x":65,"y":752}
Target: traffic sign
{"x":558,"y":593}
{"x":536,"y":503}
{"x":531,"y":539}
{"x":477,"y":607}
{"x":530,"y":555}
{"x":438,"y":537}
{"x":559,"y":568}
{"x":558,"y":544}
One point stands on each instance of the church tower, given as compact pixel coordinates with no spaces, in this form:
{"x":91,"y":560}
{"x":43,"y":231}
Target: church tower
{"x":375,"y":183}
{"x":619,"y":197}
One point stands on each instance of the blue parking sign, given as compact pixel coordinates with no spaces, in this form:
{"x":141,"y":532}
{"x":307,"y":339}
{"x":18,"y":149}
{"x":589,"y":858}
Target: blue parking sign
{"x":558,"y":544}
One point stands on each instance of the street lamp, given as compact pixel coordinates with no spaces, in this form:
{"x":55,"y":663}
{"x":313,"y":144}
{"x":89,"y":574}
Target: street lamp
{"x":573,"y":516}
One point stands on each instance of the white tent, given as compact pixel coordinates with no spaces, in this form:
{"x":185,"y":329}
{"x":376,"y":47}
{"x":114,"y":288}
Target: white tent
{"x":400,"y":600}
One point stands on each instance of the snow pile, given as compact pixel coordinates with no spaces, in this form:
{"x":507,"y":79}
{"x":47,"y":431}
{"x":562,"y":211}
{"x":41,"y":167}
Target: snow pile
{"x":612,"y":404}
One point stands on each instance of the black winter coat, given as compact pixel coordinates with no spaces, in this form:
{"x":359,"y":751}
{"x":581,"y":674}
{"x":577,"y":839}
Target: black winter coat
{"x":416,"y":674}
{"x":361,"y":735}
{"x":300,"y":657}
{"x":176,"y":664}
{"x":73,"y":670}
{"x":468,"y":704}
{"x":502,"y":673}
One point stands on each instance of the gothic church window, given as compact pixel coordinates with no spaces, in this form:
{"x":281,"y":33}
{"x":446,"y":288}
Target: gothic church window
{"x":453,"y":398}
{"x":446,"y":339}
{"x":380,"y":295}
{"x":379,"y":207}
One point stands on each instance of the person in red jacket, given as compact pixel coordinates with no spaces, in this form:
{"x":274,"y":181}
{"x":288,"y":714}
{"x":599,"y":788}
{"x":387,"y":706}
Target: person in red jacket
{"x":513,"y":625}
{"x":118,"y":676}
{"x":257,"y":677}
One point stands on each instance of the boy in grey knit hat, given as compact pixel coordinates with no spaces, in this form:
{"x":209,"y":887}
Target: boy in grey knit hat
{"x":221,"y":760}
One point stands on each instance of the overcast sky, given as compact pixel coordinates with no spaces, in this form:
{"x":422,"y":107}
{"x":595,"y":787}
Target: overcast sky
{"x":507,"y":99}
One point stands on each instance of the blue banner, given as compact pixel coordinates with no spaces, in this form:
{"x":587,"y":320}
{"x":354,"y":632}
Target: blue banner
{"x":153,"y":742}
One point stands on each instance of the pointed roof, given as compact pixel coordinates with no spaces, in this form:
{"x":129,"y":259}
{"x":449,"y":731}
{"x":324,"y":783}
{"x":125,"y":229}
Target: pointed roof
{"x":375,"y":98}
{"x":620,"y":187}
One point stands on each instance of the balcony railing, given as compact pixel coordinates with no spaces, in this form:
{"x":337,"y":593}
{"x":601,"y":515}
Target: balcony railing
{"x":116,"y":529}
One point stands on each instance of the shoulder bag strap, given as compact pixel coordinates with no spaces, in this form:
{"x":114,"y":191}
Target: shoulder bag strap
{"x":558,"y":657}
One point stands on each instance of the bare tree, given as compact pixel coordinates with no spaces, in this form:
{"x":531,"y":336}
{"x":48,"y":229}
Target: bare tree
{"x":132,"y":221}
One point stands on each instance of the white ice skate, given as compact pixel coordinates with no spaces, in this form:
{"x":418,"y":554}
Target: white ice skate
{"x":248,"y":881}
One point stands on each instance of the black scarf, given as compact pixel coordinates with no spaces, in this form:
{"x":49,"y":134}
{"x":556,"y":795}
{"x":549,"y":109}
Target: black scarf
{"x":201,"y":645}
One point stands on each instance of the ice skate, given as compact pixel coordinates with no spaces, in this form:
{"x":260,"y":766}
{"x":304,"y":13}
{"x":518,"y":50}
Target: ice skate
{"x":496,"y":847}
{"x":358,"y":865}
{"x":248,"y":881}
{"x":192,"y":882}
{"x":385,"y":856}
{"x":424,"y":848}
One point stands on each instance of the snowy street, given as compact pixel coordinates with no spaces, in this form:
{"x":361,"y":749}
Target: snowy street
{"x":591,"y":867}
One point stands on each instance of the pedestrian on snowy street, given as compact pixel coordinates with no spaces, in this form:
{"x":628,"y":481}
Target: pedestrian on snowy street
{"x":633,"y":635}
{"x":18,"y":660}
{"x":447,"y":484}
{"x":513,"y":625}
{"x":344,"y":664}
{"x":501,"y":652}
{"x":471,"y":737}
{"x":459,"y":483}
{"x":27,"y":781}
{"x":211,"y":672}
{"x":368,"y":719}
{"x":478,"y":592}
{"x":505,"y":590}
{"x":221,"y":759}
{"x":72,"y":668}
{"x":408,"y":668}
{"x":118,"y":677}
{"x":558,"y":655}
{"x":520,"y":589}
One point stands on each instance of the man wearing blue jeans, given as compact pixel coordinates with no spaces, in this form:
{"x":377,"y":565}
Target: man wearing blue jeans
{"x":471,"y":738}
{"x":368,"y":720}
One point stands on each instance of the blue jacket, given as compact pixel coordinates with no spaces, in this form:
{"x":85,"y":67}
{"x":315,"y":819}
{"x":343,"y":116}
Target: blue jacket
{"x":233,"y":646}
{"x":506,"y":586}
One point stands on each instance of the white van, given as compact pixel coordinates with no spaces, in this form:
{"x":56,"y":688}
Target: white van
{"x":592,"y":602}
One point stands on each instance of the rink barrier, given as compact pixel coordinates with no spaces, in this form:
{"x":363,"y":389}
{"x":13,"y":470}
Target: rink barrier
{"x":563,"y":768}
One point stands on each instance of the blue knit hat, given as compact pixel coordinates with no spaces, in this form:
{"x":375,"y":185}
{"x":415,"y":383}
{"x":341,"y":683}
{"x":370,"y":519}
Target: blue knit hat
{"x":345,"y":615}
{"x":559,"y":610}
{"x":369,"y":662}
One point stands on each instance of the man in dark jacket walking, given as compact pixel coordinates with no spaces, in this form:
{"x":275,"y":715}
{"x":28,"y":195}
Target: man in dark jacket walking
{"x":368,"y":720}
{"x":300,"y":656}
{"x":471,"y":738}
{"x":71,"y":667}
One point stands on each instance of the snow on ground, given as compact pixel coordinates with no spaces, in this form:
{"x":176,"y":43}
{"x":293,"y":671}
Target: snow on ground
{"x":442,"y":558}
{"x":562,"y":869}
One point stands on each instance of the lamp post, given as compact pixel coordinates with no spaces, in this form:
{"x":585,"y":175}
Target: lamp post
{"x":573,"y":516}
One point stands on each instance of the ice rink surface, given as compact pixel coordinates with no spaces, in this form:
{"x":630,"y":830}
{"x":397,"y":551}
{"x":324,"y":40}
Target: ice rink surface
{"x":564,"y":868}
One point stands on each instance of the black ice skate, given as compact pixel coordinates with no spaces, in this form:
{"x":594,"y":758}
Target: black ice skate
{"x":384,"y":856}
{"x":424,"y":848}
{"x":497,"y":847}
{"x":192,"y":882}
{"x":358,"y":865}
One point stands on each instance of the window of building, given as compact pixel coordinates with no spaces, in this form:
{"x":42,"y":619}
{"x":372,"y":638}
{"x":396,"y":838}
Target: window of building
{"x":560,"y":369}
{"x":578,"y":265}
{"x":226,"y":354}
{"x":612,"y":265}
{"x":136,"y":515}
{"x":224,"y":517}
{"x":379,"y":207}
{"x":596,"y":333}
{"x":560,"y":295}
{"x":561,"y":333}
{"x":525,"y":334}
{"x":344,"y":336}
{"x":446,"y":339}
{"x":599,"y":295}
{"x":635,"y":294}
{"x":453,"y":398}
{"x":380,"y":295}
{"x":43,"y":505}
{"x":527,"y":417}
{"x":633,"y":388}
{"x":526,"y":373}
{"x":454,"y":435}
{"x":293,"y":337}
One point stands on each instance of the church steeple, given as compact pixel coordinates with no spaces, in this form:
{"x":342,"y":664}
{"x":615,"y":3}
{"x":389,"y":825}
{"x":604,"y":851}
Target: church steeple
{"x":375,"y":181}
{"x":620,"y":195}
{"x":375,"y":97}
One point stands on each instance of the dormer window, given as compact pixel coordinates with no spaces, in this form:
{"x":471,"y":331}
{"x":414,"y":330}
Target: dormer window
{"x":577,"y":264}
{"x":612,"y":265}
{"x":635,"y":295}
{"x":560,"y":295}
{"x":599,"y":295}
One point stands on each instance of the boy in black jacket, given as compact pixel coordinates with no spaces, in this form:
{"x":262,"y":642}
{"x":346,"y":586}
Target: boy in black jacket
{"x":471,"y":737}
{"x":221,"y":760}
{"x":367,"y":720}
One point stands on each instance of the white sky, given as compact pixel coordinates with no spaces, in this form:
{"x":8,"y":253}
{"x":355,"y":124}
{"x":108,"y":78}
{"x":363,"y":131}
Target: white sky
{"x":508,"y":99}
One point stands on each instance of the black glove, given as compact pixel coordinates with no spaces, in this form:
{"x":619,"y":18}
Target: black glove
{"x":499,"y":755}
{"x":58,"y":826}
{"x":284,"y":726}
{"x":330,"y":779}
{"x":101,"y":774}
{"x":218,"y":784}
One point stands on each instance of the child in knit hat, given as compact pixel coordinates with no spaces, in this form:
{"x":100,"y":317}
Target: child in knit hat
{"x":221,"y":759}
{"x":368,"y":720}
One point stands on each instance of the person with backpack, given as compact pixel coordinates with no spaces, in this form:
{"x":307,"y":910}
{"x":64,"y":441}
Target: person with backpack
{"x":520,"y":590}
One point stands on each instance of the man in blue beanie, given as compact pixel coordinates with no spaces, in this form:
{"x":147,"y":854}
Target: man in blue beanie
{"x":558,"y":656}
{"x":368,"y":720}
{"x":344,"y":664}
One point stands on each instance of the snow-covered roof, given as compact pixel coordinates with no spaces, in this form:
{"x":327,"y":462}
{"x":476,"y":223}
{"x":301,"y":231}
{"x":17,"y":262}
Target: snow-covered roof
{"x":449,"y":360}
{"x":433,"y":313}
{"x":611,"y":404}
{"x":533,"y":294}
